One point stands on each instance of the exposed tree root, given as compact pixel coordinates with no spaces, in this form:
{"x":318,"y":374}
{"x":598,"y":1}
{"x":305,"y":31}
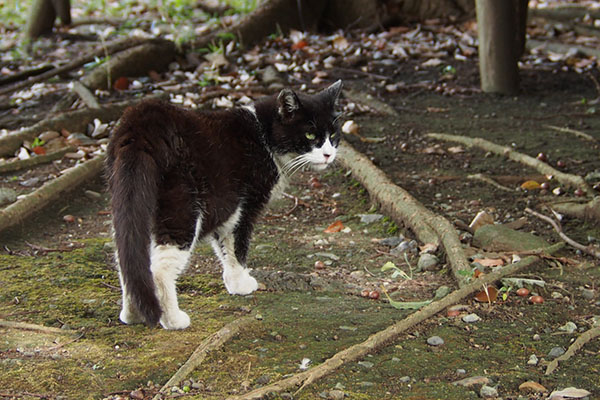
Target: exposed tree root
{"x":586,"y":211}
{"x":575,"y":132}
{"x":101,"y":51}
{"x":72,"y":121}
{"x":586,"y":249}
{"x":382,"y":338}
{"x":489,"y":181}
{"x":567,"y":179}
{"x":33,"y":327}
{"x":21,"y":209}
{"x":30,"y":162}
{"x":429,"y":227}
{"x":577,"y":344}
{"x":212,"y":342}
{"x":562,"y":48}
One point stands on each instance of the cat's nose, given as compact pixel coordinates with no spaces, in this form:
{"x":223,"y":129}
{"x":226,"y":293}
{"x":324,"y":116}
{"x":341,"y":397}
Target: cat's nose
{"x":326,"y":156}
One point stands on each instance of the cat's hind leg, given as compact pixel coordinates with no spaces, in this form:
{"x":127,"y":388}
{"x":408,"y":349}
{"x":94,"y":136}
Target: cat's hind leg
{"x":129,"y":313}
{"x":232,"y":253}
{"x":167,"y":263}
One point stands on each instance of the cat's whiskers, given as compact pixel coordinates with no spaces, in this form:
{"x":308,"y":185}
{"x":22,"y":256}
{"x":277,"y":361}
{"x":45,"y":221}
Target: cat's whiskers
{"x":292,"y":166}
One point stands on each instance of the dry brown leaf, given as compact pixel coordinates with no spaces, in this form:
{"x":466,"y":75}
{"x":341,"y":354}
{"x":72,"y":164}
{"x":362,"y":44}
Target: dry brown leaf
{"x":530,"y":185}
{"x":531,"y":386}
{"x":489,"y":262}
{"x":487,"y":296}
{"x":336,"y":226}
{"x":482,"y":218}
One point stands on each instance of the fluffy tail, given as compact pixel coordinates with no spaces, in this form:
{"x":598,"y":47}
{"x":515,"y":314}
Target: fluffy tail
{"x":133,"y":182}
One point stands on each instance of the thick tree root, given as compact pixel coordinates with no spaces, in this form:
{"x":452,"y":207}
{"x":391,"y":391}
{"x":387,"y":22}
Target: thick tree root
{"x":585,"y":211}
{"x":577,"y":344}
{"x":429,"y":227}
{"x":21,"y":209}
{"x":566,"y":179}
{"x":212,"y":342}
{"x":33,"y":327}
{"x":382,"y":338}
{"x":30,"y":162}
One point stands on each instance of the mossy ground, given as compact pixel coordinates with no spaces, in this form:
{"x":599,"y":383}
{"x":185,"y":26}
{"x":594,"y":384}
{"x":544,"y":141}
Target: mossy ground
{"x":58,"y":274}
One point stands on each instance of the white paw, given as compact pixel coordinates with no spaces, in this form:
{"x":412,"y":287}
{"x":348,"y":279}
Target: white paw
{"x":240,"y":282}
{"x":175,"y":320}
{"x":128,"y":317}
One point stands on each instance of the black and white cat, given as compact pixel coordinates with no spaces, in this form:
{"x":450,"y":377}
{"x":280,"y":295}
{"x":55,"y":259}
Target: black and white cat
{"x":178,"y":176}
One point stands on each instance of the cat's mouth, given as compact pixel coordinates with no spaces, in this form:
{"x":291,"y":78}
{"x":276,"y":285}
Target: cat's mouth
{"x":320,"y":165}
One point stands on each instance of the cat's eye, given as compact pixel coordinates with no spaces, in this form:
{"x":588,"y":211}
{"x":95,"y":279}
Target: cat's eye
{"x":334,"y":134}
{"x":310,"y":136}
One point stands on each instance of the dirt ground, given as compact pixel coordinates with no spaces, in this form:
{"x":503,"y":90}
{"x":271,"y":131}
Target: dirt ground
{"x":60,"y":274}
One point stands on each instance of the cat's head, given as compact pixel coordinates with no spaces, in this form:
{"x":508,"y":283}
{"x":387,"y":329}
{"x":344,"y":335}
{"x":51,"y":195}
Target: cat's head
{"x":307,"y":125}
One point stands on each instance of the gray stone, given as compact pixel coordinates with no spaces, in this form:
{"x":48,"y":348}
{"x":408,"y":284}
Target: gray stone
{"x":263,"y":379}
{"x":501,"y":238}
{"x":30,"y":182}
{"x":92,"y":195}
{"x":366,"y":364}
{"x":427,"y":262}
{"x":369,"y":218}
{"x":488,"y":391}
{"x":80,"y":139}
{"x":587,"y":294}
{"x":405,"y":379}
{"x":461,"y":371}
{"x":442,"y":292}
{"x":270,"y":75}
{"x":472,"y":381}
{"x":403,"y":247}
{"x":556,"y":352}
{"x":336,"y":394}
{"x":391,"y":241}
{"x":435,"y":341}
{"x":48,"y":135}
{"x":7,"y":196}
{"x":569,"y":327}
{"x":470,"y":318}
{"x":366,"y":384}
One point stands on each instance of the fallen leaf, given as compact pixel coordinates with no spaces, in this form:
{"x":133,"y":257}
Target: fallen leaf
{"x":530,"y":185}
{"x":350,"y":127}
{"x":299,"y":45}
{"x":121,"y":84}
{"x":569,"y":393}
{"x":340,"y":43}
{"x":487,"y":296}
{"x":39,"y":150}
{"x":434,"y":62}
{"x":531,"y":386}
{"x":456,"y":149}
{"x":337,"y":226}
{"x":482,"y":218}
{"x":489,"y":262}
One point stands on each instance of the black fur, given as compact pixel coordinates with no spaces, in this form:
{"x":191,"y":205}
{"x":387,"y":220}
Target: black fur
{"x":166,"y":165}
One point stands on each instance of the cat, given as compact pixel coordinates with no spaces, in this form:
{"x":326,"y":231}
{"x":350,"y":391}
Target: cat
{"x":178,"y":176}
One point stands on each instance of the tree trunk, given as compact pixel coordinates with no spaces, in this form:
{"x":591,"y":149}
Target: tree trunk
{"x":521,"y":7}
{"x":42,"y":15}
{"x":497,"y":46}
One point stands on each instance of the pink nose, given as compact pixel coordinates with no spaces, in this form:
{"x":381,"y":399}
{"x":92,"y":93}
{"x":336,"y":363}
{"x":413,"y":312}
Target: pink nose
{"x":326,"y":156}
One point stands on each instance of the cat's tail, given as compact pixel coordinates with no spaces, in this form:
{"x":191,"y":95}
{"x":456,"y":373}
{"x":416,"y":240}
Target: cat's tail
{"x":133,"y":181}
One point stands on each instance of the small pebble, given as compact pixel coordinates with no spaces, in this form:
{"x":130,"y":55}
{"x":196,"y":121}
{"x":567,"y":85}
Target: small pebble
{"x":470,"y":318}
{"x":537,"y":337}
{"x":533,"y":360}
{"x":569,"y":327}
{"x":435,"y":341}
{"x":405,"y":379}
{"x":336,"y":394}
{"x":370,"y":218}
{"x":427,"y":262}
{"x":556,"y":352}
{"x":366,"y":364}
{"x":488,"y":391}
{"x":461,"y":371}
{"x":391,"y":241}
{"x":588,"y":294}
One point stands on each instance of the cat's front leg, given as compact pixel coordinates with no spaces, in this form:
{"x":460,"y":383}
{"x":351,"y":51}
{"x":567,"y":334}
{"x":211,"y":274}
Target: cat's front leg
{"x":236,"y":277}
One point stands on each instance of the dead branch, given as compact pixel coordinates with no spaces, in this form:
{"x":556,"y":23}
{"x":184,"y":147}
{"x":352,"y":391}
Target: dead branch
{"x":33,"y":327}
{"x":566,"y":12}
{"x":577,"y":133}
{"x":561,"y":48}
{"x":489,"y":181}
{"x":21,"y":209}
{"x":19,"y":76}
{"x":556,"y":225}
{"x":100,"y":51}
{"x":380,"y":339}
{"x":212,"y":342}
{"x":402,"y":207}
{"x":586,"y":211}
{"x":32,"y":161}
{"x":567,"y":179}
{"x":85,"y":94}
{"x":584,"y":338}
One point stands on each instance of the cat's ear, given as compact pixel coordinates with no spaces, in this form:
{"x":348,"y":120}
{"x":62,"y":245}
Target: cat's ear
{"x":287,"y":103}
{"x":332,"y":93}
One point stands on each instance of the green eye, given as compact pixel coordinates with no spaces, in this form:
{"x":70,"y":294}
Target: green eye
{"x":310,"y":136}
{"x":334,"y":134}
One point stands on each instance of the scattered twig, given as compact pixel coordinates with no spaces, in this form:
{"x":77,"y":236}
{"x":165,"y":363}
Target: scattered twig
{"x":488,"y":180}
{"x":567,"y":179}
{"x":577,"y":344}
{"x":32,"y":161}
{"x":33,"y":327}
{"x":20,"y":395}
{"x":61,"y":345}
{"x":21,"y":209}
{"x":212,"y":342}
{"x":379,"y":339}
{"x":556,"y":225}
{"x":577,"y":133}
